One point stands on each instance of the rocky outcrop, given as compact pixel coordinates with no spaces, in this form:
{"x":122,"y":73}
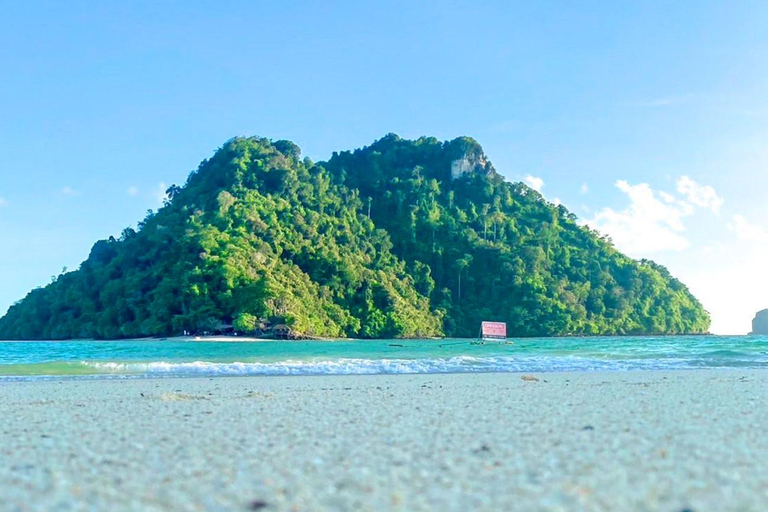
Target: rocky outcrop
{"x":467,"y":158}
{"x":468,"y":164}
{"x":760,"y":322}
{"x":462,"y":166}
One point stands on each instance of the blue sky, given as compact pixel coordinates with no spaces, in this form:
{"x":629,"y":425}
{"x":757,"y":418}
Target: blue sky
{"x":647,"y":119}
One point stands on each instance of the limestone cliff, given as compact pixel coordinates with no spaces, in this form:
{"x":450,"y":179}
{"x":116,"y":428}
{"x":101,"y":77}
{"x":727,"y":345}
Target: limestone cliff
{"x":468,"y":164}
{"x":760,"y":322}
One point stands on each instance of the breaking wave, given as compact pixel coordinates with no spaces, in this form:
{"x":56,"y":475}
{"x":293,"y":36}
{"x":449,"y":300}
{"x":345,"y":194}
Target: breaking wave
{"x":459,"y":364}
{"x":158,"y":358}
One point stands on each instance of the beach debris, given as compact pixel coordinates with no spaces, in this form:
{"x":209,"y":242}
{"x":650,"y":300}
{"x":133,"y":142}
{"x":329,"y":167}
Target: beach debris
{"x":588,"y":427}
{"x":170,"y":397}
{"x":41,"y":402}
{"x":258,"y":394}
{"x":258,"y":505}
{"x":484,"y":448}
{"x":529,"y":378}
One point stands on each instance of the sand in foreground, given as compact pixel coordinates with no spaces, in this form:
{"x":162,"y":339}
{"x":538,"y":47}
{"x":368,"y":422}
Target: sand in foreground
{"x":637,"y":441}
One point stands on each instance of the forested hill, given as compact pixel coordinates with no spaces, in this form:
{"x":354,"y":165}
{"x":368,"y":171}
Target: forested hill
{"x":399,"y":239}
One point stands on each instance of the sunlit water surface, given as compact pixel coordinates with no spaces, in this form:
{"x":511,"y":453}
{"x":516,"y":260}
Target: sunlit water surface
{"x":142,"y":358}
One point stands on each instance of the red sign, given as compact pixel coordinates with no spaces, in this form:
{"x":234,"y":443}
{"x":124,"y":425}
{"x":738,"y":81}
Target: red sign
{"x":494,"y":330}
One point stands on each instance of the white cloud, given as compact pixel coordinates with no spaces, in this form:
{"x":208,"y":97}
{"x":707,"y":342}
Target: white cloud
{"x":556,"y":201}
{"x":160,"y":194}
{"x":69,"y":191}
{"x":584,"y":188}
{"x":746,"y":231}
{"x":726,"y":276}
{"x":653,"y":221}
{"x":534,"y":182}
{"x":649,"y":224}
{"x":669,"y":198}
{"x":133,"y":191}
{"x":3,"y":202}
{"x":700,"y":195}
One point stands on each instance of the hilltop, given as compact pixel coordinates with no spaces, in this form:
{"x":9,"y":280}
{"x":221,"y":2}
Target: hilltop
{"x":403,"y":238}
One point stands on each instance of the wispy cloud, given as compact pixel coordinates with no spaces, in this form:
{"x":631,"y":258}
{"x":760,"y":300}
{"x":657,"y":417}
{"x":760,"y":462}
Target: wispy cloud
{"x":654,"y":220}
{"x":3,"y":202}
{"x":669,"y":198}
{"x":584,"y":188}
{"x":649,"y":224}
{"x":534,"y":182}
{"x":704,"y":196}
{"x":160,"y":193}
{"x":747,"y":231}
{"x":133,"y":191}
{"x":69,"y":191}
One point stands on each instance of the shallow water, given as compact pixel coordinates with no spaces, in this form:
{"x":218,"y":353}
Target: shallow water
{"x":139,"y":358}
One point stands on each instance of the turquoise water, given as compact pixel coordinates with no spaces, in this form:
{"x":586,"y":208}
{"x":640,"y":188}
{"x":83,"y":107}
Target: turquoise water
{"x":184,"y":358}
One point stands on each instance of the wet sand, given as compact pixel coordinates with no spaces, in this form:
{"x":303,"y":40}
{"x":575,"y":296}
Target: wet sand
{"x":609,"y":441}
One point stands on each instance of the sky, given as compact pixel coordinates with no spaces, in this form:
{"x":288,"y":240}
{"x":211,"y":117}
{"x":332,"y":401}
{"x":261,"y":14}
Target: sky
{"x":648,"y":120}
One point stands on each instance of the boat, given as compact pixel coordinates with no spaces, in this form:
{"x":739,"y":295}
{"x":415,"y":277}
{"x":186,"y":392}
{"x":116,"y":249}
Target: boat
{"x":492,"y":331}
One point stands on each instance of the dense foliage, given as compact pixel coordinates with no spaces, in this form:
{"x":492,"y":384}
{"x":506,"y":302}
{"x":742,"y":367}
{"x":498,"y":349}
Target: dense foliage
{"x":398,"y":239}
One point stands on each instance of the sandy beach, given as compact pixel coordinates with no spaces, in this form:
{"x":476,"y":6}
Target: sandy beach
{"x":612,"y":441}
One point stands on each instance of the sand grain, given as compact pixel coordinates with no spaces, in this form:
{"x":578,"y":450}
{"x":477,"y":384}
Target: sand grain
{"x":635,"y":441}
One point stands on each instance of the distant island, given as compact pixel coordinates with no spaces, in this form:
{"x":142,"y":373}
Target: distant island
{"x":760,"y":322}
{"x":403,"y":238}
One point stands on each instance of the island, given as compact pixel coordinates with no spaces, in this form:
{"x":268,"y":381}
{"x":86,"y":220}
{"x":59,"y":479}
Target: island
{"x":402,"y":238}
{"x":760,"y":322}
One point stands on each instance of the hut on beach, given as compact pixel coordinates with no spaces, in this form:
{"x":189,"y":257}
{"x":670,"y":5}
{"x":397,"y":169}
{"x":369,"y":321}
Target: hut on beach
{"x":281,"y":331}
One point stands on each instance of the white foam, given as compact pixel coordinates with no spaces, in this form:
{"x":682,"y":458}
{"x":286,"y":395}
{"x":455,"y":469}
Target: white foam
{"x":347,"y":366}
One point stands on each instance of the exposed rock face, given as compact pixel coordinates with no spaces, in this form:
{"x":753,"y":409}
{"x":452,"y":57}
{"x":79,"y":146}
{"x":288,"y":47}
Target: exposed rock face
{"x":468,"y":164}
{"x":760,"y":322}
{"x":467,"y":157}
{"x":460,"y":167}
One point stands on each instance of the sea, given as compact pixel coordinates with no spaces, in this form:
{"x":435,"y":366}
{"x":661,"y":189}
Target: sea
{"x":33,"y":360}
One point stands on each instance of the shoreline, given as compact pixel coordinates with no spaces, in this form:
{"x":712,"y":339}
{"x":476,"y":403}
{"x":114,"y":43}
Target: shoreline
{"x":96,"y":377}
{"x":619,"y":441}
{"x":255,"y":339}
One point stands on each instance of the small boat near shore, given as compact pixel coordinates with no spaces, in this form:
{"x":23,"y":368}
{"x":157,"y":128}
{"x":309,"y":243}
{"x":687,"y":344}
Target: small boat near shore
{"x":492,"y":332}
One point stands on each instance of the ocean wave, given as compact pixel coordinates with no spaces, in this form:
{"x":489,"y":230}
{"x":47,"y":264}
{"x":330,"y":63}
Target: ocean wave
{"x":342,"y":366}
{"x":725,"y":353}
{"x":458,"y":364}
